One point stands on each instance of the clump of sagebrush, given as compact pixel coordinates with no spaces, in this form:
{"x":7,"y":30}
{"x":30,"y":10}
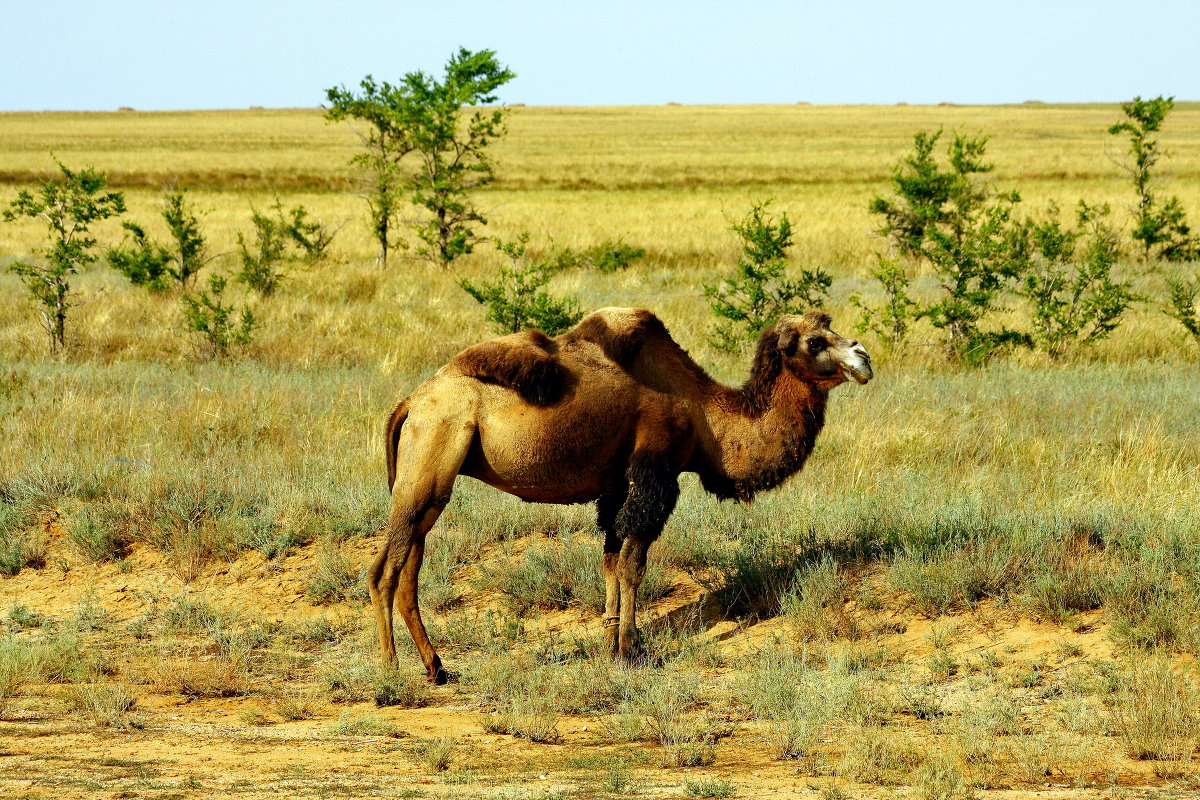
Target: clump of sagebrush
{"x":424,"y":118}
{"x":334,"y":577}
{"x":758,"y":294}
{"x":152,"y":265}
{"x":515,"y":300}
{"x":1154,"y":711}
{"x":219,"y":325}
{"x":22,"y":544}
{"x":1160,"y":226}
{"x":69,"y":206}
{"x":1072,"y":295}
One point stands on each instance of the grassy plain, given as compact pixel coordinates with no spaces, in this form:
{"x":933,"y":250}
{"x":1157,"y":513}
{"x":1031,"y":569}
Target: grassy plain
{"x":982,"y":580}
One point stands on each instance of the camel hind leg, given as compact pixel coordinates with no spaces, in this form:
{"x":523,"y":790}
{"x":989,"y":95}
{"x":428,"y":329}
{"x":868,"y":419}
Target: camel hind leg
{"x":428,"y":464}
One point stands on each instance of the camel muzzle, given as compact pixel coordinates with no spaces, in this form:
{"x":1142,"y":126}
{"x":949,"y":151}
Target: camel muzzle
{"x":858,"y":366}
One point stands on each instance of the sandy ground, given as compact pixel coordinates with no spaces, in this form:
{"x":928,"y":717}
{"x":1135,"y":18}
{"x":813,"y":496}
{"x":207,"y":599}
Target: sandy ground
{"x":192,"y":748}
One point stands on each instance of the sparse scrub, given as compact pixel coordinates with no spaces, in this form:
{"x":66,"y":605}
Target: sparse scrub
{"x":438,"y":754}
{"x":515,"y":300}
{"x":368,"y":724}
{"x":759,"y":293}
{"x":1160,"y":226}
{"x":405,"y":691}
{"x":69,"y":205}
{"x":1155,"y":711}
{"x":708,"y":787}
{"x":881,"y":757}
{"x":106,"y":704}
{"x":564,"y":573}
{"x":93,"y":540}
{"x":334,"y":577}
{"x":221,"y":325}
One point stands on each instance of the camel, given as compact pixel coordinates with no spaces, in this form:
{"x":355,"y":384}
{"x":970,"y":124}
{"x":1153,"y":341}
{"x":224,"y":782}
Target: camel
{"x":612,"y":411}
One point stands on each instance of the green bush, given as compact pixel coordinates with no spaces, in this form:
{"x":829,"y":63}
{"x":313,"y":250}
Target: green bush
{"x":515,"y":300}
{"x":212,"y":319}
{"x":759,"y":294}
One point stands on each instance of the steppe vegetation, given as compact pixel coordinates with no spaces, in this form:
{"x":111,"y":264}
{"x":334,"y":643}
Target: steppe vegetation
{"x":986,"y":577}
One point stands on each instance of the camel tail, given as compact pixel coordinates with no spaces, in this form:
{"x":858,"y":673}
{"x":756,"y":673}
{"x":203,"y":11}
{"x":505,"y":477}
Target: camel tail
{"x":392,"y":439}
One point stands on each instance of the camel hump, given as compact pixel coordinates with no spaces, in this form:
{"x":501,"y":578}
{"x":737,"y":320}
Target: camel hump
{"x":524,"y":362}
{"x":619,"y":332}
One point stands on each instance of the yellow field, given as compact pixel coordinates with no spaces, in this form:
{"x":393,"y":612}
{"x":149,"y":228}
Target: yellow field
{"x":985,"y":583}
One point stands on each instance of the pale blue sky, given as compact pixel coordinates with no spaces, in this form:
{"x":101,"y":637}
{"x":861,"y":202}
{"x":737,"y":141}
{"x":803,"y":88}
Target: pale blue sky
{"x":68,"y":54}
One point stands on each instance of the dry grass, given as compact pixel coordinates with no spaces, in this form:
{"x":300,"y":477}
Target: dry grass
{"x":1049,"y":490}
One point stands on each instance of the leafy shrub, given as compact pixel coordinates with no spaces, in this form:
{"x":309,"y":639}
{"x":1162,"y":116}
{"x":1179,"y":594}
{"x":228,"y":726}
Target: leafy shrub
{"x":1181,"y":304}
{"x":1074,"y":299}
{"x":515,"y":300}
{"x":1159,"y":226}
{"x":208,"y":316}
{"x":262,"y":259}
{"x":892,"y":320}
{"x":69,"y":206}
{"x":967,"y":234}
{"x":607,"y":257}
{"x":759,"y":294}
{"x":146,"y":263}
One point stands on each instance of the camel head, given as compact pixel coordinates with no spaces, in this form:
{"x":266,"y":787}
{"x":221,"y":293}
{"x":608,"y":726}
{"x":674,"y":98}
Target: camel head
{"x":813,"y":352}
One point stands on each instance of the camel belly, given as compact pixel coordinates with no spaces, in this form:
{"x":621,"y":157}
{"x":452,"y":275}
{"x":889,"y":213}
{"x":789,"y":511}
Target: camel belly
{"x":562,"y":454}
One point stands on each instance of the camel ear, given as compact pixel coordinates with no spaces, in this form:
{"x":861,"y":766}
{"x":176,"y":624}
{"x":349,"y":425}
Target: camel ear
{"x":788,"y":341}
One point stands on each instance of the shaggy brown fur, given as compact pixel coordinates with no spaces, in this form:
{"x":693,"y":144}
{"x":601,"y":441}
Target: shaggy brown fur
{"x":611,"y":411}
{"x":524,"y":362}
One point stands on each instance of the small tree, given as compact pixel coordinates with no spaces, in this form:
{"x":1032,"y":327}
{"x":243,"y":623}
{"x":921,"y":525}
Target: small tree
{"x":220,"y":324}
{"x":1072,"y":294}
{"x":926,"y":195}
{"x":1162,"y":227}
{"x":386,"y":142}
{"x":759,"y":294}
{"x":69,"y":205}
{"x":892,"y":320}
{"x":1181,"y":304}
{"x":146,"y":263}
{"x":515,"y":300}
{"x":262,"y":259}
{"x":424,"y":117}
{"x":965,"y":231}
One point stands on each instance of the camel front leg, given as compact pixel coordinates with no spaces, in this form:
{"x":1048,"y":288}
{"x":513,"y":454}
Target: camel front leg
{"x":653,"y":490}
{"x":606,"y":515}
{"x":630,"y":569}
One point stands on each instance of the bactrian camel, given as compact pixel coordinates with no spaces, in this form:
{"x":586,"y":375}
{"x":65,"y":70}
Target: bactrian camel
{"x":610,"y":411}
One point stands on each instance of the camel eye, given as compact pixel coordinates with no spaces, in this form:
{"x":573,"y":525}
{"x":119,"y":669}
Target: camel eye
{"x":816,"y":345}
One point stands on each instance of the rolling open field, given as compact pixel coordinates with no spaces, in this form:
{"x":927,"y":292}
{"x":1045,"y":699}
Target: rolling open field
{"x":984,"y":583}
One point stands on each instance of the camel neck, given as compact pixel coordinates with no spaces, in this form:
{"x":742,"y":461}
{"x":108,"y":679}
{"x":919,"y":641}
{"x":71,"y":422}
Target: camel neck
{"x":760,"y":434}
